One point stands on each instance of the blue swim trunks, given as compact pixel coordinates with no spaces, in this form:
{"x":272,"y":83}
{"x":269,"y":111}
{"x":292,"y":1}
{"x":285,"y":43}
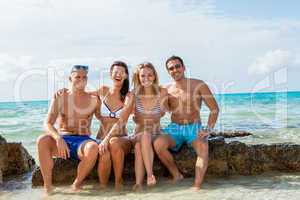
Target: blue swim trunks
{"x":74,"y":142}
{"x":182,"y":133}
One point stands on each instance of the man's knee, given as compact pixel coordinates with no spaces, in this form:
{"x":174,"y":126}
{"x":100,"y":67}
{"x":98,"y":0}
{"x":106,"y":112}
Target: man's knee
{"x":160,"y":145}
{"x":200,"y":146}
{"x":91,"y":148}
{"x":44,"y":141}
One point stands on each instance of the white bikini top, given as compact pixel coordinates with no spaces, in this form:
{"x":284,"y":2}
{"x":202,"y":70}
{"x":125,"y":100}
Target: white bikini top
{"x":107,"y":112}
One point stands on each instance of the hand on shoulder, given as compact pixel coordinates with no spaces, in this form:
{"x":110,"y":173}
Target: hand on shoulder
{"x":163,"y":91}
{"x":61,"y":92}
{"x":103,"y":89}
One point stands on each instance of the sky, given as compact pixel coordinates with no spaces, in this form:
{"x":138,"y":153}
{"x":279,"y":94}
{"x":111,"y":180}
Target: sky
{"x":234,"y":46}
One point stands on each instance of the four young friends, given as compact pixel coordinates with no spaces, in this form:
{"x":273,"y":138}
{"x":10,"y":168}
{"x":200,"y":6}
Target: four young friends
{"x":73,"y":109}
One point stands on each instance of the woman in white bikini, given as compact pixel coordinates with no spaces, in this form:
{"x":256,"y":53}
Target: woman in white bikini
{"x":112,"y":103}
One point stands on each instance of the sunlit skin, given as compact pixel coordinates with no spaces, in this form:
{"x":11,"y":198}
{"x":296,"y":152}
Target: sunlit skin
{"x":185,"y":98}
{"x":73,"y":111}
{"x":112,"y":149}
{"x":146,"y":125}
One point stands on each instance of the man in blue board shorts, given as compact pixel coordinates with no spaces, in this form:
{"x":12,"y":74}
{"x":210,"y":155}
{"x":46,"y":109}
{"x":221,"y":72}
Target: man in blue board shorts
{"x":73,"y":111}
{"x":185,"y":96}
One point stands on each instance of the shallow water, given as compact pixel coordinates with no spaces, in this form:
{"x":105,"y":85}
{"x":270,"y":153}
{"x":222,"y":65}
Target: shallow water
{"x":264,"y":187}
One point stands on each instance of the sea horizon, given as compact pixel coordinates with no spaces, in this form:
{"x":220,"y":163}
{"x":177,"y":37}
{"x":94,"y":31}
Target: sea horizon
{"x":217,"y":94}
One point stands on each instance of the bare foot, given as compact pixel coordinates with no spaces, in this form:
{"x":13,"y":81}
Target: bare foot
{"x":151,"y":181}
{"x":177,"y":178}
{"x":76,"y":187}
{"x":103,"y":186}
{"x":49,"y":190}
{"x":118,"y":187}
{"x":137,"y":188}
{"x":196,"y":187}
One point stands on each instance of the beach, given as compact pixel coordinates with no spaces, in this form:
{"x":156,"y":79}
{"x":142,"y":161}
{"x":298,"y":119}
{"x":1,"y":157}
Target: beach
{"x":270,"y":117}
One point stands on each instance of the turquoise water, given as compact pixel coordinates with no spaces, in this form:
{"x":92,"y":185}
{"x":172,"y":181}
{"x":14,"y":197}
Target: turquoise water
{"x":271,"y":117}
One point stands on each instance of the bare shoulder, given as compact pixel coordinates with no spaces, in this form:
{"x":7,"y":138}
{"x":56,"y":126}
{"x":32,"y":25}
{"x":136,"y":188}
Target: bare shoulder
{"x":195,"y":81}
{"x":93,"y":98}
{"x":163,"y":90}
{"x":129,"y":99}
{"x":129,"y":95}
{"x":60,"y":93}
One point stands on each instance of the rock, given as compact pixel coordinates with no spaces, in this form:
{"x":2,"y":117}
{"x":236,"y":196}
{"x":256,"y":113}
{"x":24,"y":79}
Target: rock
{"x":14,"y":159}
{"x":19,"y":160}
{"x":3,"y":157}
{"x":234,"y":158}
{"x":2,"y":140}
{"x":1,"y":178}
{"x":231,"y":134}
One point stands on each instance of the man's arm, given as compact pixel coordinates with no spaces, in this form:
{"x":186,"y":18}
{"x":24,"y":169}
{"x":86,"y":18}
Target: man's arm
{"x":211,"y":104}
{"x":164,"y":101}
{"x":51,"y":118}
{"x":98,"y":106}
{"x":62,"y":148}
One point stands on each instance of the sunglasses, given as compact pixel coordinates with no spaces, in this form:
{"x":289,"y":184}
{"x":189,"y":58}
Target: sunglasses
{"x":80,"y":67}
{"x":177,"y":66}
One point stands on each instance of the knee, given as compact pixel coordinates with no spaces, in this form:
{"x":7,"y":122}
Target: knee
{"x":201,"y":147}
{"x":159,"y":145}
{"x":92,"y":149}
{"x":43,"y":141}
{"x":115,"y":146}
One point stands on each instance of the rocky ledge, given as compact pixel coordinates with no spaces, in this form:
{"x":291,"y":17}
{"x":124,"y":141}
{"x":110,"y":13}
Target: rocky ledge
{"x":14,"y":159}
{"x":225,"y":159}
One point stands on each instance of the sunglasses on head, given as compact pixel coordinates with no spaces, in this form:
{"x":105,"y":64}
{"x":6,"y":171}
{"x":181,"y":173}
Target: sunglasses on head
{"x":177,"y":66}
{"x":80,"y":67}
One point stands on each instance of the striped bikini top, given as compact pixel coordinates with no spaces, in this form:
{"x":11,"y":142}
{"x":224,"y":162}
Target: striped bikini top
{"x":139,"y":108}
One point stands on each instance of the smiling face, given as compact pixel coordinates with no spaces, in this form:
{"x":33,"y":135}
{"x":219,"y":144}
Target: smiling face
{"x":118,"y":75}
{"x":176,"y":69}
{"x":78,"y":79}
{"x":146,"y":77}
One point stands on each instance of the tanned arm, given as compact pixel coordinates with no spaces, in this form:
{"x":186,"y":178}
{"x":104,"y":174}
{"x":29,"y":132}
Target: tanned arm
{"x":211,"y":103}
{"x":63,"y":150}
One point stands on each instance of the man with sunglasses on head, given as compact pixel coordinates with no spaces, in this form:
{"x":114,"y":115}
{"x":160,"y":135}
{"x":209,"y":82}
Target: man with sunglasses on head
{"x":73,"y":111}
{"x":185,"y":96}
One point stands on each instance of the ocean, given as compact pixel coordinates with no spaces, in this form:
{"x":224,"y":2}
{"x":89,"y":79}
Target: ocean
{"x":270,"y":117}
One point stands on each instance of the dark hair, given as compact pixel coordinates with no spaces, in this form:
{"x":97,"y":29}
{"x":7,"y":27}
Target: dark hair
{"x":125,"y":87}
{"x":174,"y":58}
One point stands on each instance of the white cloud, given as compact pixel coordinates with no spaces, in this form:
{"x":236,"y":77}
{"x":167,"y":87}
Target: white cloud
{"x":62,"y":33}
{"x":270,"y":61}
{"x":10,"y":66}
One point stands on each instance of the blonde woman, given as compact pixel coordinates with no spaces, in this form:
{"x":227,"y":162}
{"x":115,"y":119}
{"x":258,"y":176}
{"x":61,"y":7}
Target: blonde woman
{"x":148,"y":103}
